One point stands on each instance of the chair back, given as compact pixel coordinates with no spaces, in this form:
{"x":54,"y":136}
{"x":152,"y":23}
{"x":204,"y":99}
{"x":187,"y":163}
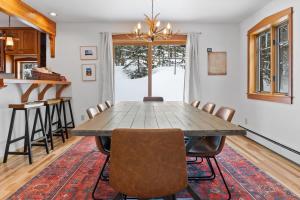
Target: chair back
{"x":226,"y":114}
{"x":100,"y":141}
{"x":92,"y":112}
{"x":108,"y":104}
{"x":209,"y":107}
{"x":101,"y":107}
{"x":148,"y":163}
{"x":153,"y":99}
{"x":195,"y":104}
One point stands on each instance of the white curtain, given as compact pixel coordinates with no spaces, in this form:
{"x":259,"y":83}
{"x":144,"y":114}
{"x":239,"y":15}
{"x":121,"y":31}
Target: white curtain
{"x":106,"y":69}
{"x":192,"y":70}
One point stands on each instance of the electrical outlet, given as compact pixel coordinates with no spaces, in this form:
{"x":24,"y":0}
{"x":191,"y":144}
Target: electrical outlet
{"x":246,"y":121}
{"x":82,"y":117}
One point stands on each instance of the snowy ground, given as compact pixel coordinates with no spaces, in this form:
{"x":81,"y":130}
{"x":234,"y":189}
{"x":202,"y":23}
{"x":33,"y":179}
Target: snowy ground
{"x":164,"y":83}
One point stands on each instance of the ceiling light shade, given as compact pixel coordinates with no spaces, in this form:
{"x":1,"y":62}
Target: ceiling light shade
{"x":9,"y":41}
{"x":53,"y":14}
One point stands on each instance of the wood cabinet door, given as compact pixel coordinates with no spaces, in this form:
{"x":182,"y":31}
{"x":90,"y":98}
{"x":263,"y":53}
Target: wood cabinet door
{"x":29,"y":42}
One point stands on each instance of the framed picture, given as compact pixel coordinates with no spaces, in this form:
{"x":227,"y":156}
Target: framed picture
{"x":217,"y":63}
{"x":88,"y":72}
{"x":88,"y":53}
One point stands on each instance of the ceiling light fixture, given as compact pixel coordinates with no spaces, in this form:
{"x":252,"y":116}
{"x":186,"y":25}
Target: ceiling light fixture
{"x":155,"y":30}
{"x":53,"y":14}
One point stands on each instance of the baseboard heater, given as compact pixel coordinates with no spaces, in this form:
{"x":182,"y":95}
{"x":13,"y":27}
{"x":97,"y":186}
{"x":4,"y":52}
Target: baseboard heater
{"x":270,"y":140}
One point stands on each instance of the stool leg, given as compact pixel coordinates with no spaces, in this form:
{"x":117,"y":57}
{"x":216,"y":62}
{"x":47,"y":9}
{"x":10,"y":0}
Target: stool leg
{"x":50,"y":126}
{"x":59,"y":123}
{"x":11,"y":126}
{"x":43,"y":130}
{"x":71,"y":113}
{"x":65,"y":119}
{"x":27,"y":139}
{"x":34,"y":125}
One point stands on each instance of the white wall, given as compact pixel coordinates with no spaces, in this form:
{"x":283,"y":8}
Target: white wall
{"x":279,"y":122}
{"x":70,"y":36}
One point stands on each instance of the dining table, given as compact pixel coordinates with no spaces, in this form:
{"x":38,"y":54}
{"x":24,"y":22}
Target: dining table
{"x":157,"y":115}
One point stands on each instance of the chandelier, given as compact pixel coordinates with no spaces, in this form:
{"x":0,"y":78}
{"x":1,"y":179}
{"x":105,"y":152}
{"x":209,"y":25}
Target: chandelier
{"x":155,"y":30}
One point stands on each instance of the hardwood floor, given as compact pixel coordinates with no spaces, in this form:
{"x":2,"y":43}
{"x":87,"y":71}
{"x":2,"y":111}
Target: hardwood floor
{"x":16,"y":172}
{"x":281,"y":169}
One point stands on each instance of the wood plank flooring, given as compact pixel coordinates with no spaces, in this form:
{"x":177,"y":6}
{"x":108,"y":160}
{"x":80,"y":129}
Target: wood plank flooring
{"x":17,"y":171}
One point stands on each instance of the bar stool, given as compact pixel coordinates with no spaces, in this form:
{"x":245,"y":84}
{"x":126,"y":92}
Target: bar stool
{"x":28,"y":143}
{"x":52,"y":110}
{"x":62,"y":108}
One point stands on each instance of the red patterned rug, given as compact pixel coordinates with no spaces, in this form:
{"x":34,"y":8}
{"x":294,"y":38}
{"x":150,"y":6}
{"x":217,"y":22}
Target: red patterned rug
{"x":72,"y":176}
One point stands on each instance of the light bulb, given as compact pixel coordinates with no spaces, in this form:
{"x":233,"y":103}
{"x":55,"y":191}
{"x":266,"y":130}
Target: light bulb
{"x":165,"y":32}
{"x":139,"y":26}
{"x":157,"y":23}
{"x":168,"y":26}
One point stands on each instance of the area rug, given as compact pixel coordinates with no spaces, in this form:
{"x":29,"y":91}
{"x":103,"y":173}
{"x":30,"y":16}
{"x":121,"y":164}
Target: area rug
{"x":73,"y":174}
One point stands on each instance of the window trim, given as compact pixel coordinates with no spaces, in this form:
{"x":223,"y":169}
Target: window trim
{"x":129,"y":39}
{"x":271,"y":23}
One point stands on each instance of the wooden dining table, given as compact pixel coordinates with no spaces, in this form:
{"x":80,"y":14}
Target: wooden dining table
{"x":157,"y":115}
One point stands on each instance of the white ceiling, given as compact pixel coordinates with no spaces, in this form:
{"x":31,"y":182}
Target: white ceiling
{"x":205,"y":11}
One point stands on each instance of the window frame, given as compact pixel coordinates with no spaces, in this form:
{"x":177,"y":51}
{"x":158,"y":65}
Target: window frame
{"x":270,"y":23}
{"x":129,"y":39}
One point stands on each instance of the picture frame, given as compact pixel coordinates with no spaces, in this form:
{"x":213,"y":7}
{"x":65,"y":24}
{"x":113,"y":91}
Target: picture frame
{"x":88,"y":52}
{"x":88,"y":72}
{"x":217,"y":63}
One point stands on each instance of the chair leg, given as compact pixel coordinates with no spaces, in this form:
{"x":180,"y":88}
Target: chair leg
{"x":34,"y":125}
{"x":192,"y":192}
{"x":223,"y":179}
{"x":204,"y":178}
{"x":11,"y":126}
{"x":99,"y":177}
{"x":195,"y":161}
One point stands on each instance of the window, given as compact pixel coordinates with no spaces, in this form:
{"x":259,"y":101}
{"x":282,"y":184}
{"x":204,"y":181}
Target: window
{"x":149,"y":68}
{"x":270,"y":58}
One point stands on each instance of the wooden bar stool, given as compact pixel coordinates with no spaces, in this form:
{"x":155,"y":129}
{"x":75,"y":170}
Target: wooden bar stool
{"x":62,"y":108}
{"x":52,"y":110}
{"x":28,"y":143}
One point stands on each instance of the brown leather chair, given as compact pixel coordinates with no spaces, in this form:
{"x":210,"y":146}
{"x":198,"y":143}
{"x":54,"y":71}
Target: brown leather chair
{"x":101,"y":107}
{"x":195,"y":104}
{"x":209,"y":107}
{"x":103,"y":145}
{"x":148,"y":163}
{"x":108,"y":104}
{"x":209,"y":147}
{"x":145,"y":99}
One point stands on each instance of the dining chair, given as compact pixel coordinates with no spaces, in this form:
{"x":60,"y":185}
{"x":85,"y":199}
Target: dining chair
{"x":108,"y":104}
{"x":103,"y":145}
{"x":148,"y":163}
{"x":145,"y":99}
{"x":209,"y":107}
{"x":209,"y":147}
{"x":101,"y":107}
{"x":195,"y":104}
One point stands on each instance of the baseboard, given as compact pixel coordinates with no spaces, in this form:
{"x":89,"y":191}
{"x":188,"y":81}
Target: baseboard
{"x":278,"y":148}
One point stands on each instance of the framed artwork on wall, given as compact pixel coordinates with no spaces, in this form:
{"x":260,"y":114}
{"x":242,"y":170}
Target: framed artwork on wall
{"x":88,"y":53}
{"x":88,"y":72}
{"x":217,"y":63}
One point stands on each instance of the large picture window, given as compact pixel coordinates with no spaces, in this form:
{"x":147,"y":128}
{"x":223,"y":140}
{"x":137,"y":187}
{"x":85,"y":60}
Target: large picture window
{"x":270,"y":58}
{"x":149,"y":68}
